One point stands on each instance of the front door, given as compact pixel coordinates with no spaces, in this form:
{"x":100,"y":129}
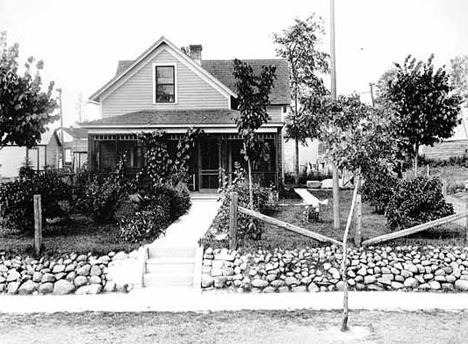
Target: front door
{"x":209,"y":163}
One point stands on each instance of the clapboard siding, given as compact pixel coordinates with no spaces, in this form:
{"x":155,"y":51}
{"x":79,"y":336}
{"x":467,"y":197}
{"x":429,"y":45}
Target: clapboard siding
{"x":445,"y":150}
{"x":135,"y":92}
{"x":276,"y":113}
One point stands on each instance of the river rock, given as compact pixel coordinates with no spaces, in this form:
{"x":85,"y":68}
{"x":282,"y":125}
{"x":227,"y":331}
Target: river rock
{"x":46,"y":288}
{"x":63,"y":287}
{"x":91,"y":289}
{"x":461,"y":285}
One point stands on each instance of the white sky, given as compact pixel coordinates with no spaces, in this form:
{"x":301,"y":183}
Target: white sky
{"x":81,"y":41}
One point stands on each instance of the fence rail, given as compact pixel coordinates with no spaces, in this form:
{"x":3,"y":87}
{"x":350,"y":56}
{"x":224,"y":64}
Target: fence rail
{"x":415,"y":229}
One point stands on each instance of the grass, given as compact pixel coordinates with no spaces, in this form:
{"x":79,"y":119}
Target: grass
{"x":77,"y":234}
{"x":372,"y":225}
{"x":301,"y":326}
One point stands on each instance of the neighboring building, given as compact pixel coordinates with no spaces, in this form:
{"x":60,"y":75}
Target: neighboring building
{"x":456,"y":146}
{"x":45,"y":154}
{"x":166,"y":89}
{"x":75,"y":147}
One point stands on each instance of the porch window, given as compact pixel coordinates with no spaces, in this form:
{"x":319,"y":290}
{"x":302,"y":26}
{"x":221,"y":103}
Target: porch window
{"x":165,"y":84}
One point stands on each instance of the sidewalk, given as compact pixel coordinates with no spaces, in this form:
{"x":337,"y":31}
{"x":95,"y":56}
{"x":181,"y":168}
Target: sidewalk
{"x":185,"y":300}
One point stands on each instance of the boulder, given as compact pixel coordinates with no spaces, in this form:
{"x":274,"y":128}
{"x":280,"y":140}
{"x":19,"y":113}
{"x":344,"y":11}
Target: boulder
{"x":291,"y":281}
{"x":63,"y":287}
{"x":80,"y":281}
{"x":96,"y":271}
{"x":91,"y":289}
{"x":13,"y":287}
{"x":461,"y":285}
{"x":27,"y":288}
{"x":313,"y":288}
{"x":259,"y":283}
{"x":58,"y":269}
{"x":37,"y":276}
{"x":46,"y":288}
{"x":13,"y":275}
{"x":48,"y":277}
{"x":207,"y":281}
{"x":411,"y":282}
{"x":109,"y":287}
{"x":95,"y":280}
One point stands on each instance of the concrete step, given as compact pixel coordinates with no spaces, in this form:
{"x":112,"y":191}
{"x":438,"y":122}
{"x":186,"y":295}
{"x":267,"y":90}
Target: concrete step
{"x":171,"y":251}
{"x":175,"y":268}
{"x":168,"y":279}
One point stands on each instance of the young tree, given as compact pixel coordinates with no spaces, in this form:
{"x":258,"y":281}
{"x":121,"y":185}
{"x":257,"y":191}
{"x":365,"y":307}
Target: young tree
{"x":299,"y":44}
{"x":425,"y":109}
{"x":459,"y":76}
{"x":25,"y":109}
{"x":358,"y":139}
{"x":253,"y":98}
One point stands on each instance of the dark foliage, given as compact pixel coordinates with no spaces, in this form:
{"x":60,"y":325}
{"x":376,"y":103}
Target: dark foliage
{"x":416,"y":201}
{"x":16,"y":199}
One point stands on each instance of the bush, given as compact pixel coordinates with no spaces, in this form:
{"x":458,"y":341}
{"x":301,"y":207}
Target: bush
{"x":154,"y":209}
{"x":416,"y":201}
{"x":144,"y":224}
{"x":99,"y":197}
{"x":265,"y":202}
{"x":377,"y":189}
{"x":16,"y":199}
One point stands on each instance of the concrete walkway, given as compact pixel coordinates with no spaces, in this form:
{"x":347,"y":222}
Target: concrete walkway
{"x":190,"y":227}
{"x":186,"y":299}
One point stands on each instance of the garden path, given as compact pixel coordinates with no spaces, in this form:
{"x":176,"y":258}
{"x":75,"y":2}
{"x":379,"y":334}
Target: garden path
{"x":175,"y":259}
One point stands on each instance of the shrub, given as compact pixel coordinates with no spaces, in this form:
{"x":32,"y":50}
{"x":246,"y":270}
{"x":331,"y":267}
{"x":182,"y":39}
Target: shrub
{"x":99,"y":197}
{"x":416,"y":201}
{"x":16,"y":199}
{"x":153,"y":211}
{"x":144,"y":224}
{"x":265,"y":202}
{"x":377,"y":189}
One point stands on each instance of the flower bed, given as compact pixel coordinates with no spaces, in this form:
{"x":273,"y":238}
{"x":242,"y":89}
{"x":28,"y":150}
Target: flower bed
{"x":318,"y":269}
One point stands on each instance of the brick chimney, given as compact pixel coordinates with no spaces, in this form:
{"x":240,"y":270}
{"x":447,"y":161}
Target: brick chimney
{"x":195,"y":53}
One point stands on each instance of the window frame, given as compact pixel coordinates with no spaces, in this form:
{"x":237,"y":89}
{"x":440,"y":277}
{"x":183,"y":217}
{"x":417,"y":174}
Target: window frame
{"x":174,"y":66}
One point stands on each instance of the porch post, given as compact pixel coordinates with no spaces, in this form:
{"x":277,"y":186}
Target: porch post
{"x":92,"y":153}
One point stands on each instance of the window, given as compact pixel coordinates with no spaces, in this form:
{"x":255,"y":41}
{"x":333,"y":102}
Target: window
{"x":165,"y":84}
{"x":68,"y":156}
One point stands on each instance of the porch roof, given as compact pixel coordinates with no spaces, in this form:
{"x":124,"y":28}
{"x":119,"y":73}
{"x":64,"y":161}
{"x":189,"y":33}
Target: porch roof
{"x":172,"y":118}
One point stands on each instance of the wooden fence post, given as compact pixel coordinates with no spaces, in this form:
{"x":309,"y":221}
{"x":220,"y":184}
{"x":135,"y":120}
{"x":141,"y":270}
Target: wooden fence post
{"x":466,"y":224}
{"x":427,"y":171}
{"x":233,"y":221}
{"x":358,"y":228}
{"x":37,"y":224}
{"x":444,"y":187}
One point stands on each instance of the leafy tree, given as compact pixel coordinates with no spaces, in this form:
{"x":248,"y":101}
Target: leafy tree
{"x":358,"y":138}
{"x":253,"y":98}
{"x":25,"y":109}
{"x":299,"y":45}
{"x":459,"y":76}
{"x":425,"y":109}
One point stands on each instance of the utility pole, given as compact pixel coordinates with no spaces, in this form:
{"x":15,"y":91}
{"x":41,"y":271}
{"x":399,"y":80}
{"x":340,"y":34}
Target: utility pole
{"x":59,"y":90}
{"x":336,"y":186}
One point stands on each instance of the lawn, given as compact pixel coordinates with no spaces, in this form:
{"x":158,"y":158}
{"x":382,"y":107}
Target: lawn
{"x":372,"y":225}
{"x":76,"y":234}
{"x":302,"y":326}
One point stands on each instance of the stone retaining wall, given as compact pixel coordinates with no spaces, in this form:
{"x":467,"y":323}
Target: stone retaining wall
{"x":318,"y":269}
{"x":65,"y":274}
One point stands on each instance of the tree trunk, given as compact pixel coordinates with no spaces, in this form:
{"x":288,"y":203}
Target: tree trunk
{"x":344,"y":265}
{"x":336,"y":198}
{"x":296,"y":167}
{"x":249,"y":167}
{"x":416,"y":148}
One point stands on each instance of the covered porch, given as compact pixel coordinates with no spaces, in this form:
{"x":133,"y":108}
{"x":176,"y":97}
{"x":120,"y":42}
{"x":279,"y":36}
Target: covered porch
{"x":213,"y":157}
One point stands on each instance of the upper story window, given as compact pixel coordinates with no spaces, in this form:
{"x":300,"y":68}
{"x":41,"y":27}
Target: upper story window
{"x":165,"y":84}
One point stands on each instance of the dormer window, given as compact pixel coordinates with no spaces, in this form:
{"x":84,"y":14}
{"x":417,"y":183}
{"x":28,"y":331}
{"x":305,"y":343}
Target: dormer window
{"x":164,"y":78}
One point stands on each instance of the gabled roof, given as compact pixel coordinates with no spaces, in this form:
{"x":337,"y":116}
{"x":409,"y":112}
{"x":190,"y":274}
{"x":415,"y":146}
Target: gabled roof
{"x":222,"y":70}
{"x":95,"y":97}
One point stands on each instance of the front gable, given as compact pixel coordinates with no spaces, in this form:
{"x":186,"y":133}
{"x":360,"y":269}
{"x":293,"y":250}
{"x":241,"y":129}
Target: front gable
{"x":134,"y":89}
